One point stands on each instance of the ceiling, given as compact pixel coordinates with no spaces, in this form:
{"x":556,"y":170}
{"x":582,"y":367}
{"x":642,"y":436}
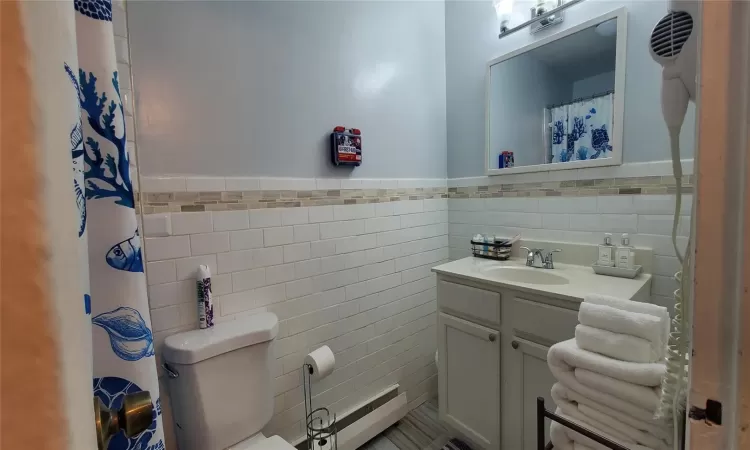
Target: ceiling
{"x":579,"y":55}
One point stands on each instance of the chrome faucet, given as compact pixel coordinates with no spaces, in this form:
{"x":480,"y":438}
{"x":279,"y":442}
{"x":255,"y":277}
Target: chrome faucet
{"x":535,"y":257}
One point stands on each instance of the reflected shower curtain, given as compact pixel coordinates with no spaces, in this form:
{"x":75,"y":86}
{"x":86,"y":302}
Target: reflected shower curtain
{"x":581,"y":130}
{"x":590,"y":125}
{"x":110,"y":244}
{"x":560,"y":151}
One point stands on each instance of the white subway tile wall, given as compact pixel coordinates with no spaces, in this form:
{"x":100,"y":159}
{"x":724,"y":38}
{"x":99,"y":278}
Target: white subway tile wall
{"x":157,"y":224}
{"x":647,"y":218}
{"x":354,"y":277}
{"x":191,"y":223}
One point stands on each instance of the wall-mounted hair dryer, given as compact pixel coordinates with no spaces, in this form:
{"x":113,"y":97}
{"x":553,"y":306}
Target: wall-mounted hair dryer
{"x":674,"y":45}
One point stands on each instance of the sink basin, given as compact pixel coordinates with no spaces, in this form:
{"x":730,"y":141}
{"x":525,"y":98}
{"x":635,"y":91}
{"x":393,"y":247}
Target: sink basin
{"x":528,"y":276}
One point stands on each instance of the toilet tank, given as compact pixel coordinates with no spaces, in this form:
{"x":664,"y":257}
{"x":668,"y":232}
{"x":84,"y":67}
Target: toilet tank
{"x":223,"y":389}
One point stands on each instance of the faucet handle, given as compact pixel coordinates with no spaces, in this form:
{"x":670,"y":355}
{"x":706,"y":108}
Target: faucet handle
{"x":548,"y":263}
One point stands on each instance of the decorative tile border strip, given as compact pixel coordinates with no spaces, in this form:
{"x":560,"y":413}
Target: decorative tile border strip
{"x":238,"y":200}
{"x":577,"y":188}
{"x":162,"y":202}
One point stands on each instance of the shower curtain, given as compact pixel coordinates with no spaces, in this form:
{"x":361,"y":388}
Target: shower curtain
{"x":581,"y":130}
{"x":590,"y":125}
{"x":109,"y":242}
{"x":560,"y":135}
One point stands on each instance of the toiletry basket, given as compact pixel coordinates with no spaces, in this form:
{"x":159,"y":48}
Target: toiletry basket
{"x":498,"y":250}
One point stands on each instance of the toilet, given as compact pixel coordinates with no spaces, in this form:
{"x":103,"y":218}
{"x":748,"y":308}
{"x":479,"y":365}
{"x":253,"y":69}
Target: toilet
{"x":221,"y":388}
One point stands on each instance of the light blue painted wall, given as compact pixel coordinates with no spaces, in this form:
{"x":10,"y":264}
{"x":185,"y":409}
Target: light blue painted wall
{"x":471,"y":41}
{"x":253,"y":88}
{"x":594,"y":85}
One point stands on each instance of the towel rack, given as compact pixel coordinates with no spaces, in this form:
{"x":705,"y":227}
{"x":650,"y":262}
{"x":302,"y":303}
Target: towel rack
{"x":541,"y":413}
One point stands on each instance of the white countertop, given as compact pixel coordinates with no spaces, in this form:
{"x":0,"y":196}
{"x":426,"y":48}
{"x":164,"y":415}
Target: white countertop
{"x":582,"y":279}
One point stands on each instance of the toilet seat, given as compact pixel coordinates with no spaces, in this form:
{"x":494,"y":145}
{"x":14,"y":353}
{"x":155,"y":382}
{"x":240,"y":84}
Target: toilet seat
{"x":271,"y":443}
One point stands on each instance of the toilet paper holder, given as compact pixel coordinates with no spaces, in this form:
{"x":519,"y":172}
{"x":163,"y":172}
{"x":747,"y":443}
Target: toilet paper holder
{"x":320,"y":424}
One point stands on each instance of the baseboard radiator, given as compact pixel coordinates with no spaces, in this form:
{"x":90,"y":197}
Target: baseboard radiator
{"x":364,"y":421}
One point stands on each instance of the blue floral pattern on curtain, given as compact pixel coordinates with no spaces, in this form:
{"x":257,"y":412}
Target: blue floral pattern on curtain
{"x":96,"y":9}
{"x":76,"y":151}
{"x":559,"y":148}
{"x":584,"y":133}
{"x":108,"y":175}
{"x":128,"y":333}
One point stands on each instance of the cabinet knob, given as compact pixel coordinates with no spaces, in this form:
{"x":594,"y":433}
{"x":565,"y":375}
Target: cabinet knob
{"x":514,"y":344}
{"x":493,"y":336}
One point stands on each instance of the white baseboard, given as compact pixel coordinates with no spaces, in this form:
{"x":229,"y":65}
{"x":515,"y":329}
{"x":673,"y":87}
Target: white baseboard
{"x":366,"y":428}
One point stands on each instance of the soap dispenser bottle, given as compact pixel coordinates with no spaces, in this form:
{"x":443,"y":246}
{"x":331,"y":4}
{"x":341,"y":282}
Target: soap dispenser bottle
{"x":606,"y":252}
{"x":625,"y":253}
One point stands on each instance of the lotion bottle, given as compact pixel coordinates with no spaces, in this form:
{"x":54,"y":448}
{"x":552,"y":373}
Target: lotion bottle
{"x":606,"y":252}
{"x":625,"y":253}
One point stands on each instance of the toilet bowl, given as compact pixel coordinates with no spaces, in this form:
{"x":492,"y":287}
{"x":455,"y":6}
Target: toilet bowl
{"x":221,"y":385}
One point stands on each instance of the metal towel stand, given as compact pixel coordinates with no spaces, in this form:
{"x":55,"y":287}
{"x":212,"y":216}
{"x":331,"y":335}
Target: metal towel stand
{"x":541,"y":413}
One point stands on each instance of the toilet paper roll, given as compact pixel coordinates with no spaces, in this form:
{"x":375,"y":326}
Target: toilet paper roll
{"x":322,"y":362}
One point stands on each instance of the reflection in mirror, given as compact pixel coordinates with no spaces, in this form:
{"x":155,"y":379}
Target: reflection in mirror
{"x":554,"y":102}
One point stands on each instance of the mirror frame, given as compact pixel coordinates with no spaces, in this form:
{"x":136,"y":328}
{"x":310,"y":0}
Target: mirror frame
{"x":618,"y":108}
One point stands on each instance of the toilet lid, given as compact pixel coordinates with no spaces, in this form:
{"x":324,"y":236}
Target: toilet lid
{"x":272,"y":443}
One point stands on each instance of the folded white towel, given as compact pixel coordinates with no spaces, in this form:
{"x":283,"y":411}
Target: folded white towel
{"x":628,"y":305}
{"x":632,"y":306}
{"x":654,"y":434}
{"x":564,"y":438}
{"x":564,"y":357}
{"x":660,"y":429}
{"x":617,"y":345}
{"x":568,"y":355}
{"x":643,"y":396}
{"x":571,"y":409}
{"x":640,"y":325}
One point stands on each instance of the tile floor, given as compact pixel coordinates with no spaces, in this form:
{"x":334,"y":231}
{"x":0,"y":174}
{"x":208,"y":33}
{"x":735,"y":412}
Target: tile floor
{"x":419,"y":430}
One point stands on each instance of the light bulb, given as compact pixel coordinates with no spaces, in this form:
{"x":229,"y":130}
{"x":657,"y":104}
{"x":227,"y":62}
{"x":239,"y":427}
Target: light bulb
{"x":503,"y":8}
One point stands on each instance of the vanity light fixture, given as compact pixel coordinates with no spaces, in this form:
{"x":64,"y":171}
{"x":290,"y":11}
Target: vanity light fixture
{"x":503,"y":9}
{"x":545,"y":14}
{"x":544,"y":6}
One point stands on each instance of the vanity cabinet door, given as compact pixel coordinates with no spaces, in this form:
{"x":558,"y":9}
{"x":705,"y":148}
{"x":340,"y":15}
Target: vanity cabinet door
{"x":527,"y":377}
{"x":469,"y":379}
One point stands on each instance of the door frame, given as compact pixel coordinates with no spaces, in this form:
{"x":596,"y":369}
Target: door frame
{"x":721,"y":285}
{"x":30,"y":373}
{"x":45,"y":363}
